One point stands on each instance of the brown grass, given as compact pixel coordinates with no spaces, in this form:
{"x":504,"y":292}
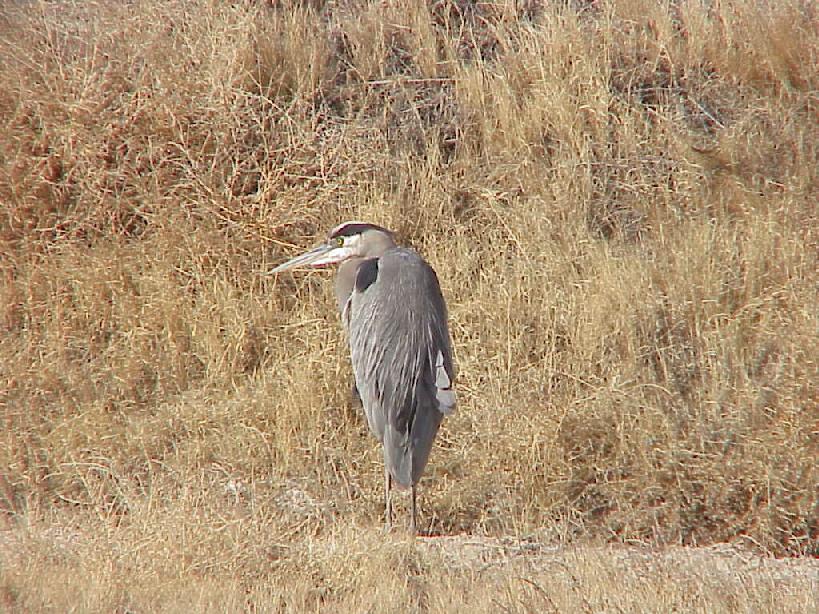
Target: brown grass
{"x":619,"y":199}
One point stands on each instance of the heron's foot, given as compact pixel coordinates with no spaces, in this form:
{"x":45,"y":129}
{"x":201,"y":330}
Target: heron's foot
{"x":398,"y":530}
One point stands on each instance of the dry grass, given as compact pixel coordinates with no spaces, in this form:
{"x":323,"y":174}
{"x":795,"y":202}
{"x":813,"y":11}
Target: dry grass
{"x":620,"y":200}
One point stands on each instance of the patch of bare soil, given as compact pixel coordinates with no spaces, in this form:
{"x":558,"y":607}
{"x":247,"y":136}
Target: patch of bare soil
{"x":486,"y":553}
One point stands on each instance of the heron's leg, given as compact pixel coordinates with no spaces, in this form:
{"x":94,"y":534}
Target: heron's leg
{"x":387,"y":498}
{"x":413,"y":515}
{"x":355,"y":396}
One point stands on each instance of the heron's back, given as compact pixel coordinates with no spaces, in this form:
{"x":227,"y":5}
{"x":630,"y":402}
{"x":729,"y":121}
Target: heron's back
{"x":402,"y":358}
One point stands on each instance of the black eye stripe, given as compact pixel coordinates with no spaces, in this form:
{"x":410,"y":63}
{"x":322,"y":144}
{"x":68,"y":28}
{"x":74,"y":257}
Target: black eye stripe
{"x":349,"y":230}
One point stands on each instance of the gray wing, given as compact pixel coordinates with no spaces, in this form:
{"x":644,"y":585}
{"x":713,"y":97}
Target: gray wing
{"x":402,"y":357}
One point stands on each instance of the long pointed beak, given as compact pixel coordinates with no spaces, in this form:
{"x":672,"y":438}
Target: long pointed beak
{"x":306,"y":259}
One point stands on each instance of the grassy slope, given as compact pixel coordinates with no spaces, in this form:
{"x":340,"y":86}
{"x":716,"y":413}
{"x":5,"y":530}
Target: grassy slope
{"x":619,"y":198}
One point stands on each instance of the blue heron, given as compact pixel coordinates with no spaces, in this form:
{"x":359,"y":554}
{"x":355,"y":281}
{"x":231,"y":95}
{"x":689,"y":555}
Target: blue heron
{"x":396,"y":321}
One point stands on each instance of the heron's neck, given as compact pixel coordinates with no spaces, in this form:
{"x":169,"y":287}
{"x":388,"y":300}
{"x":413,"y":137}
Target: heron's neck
{"x":345,"y":280}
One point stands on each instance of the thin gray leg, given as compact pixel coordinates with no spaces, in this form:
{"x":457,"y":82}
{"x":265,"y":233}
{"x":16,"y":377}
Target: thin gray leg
{"x":413,"y":514}
{"x":387,"y":498}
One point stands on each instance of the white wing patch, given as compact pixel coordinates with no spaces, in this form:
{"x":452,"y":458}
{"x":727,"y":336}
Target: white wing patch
{"x":345,"y":313}
{"x":445,"y":394}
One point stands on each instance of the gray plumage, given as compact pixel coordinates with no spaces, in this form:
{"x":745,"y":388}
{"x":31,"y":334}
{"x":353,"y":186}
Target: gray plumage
{"x":398,"y":337}
{"x":396,"y":321}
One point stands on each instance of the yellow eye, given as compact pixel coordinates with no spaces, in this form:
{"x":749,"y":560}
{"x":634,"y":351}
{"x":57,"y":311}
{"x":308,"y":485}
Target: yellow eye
{"x":340,"y":241}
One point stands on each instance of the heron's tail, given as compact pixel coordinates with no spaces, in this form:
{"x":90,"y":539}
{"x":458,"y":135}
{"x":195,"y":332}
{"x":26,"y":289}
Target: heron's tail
{"x":406,"y":455}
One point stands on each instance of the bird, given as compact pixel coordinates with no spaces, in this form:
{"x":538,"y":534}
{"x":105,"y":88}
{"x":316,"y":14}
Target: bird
{"x":396,"y":320}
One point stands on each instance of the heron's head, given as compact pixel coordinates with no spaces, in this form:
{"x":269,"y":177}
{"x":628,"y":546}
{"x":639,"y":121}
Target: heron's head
{"x":348,"y":240}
